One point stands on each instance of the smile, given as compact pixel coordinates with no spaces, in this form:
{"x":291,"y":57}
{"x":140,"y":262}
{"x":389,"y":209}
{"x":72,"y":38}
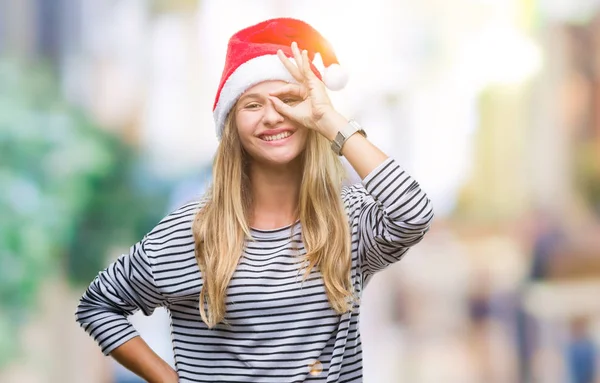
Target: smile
{"x":276,"y":137}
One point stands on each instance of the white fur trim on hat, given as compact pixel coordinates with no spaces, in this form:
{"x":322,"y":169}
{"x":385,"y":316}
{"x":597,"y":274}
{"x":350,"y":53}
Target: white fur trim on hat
{"x":335,"y":77}
{"x":248,"y":74}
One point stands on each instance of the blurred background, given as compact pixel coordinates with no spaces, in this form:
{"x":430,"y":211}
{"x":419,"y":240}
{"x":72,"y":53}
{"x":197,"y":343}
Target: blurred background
{"x":492,"y":105}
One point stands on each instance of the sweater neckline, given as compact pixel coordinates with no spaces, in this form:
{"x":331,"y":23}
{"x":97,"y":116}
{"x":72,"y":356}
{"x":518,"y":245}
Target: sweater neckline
{"x":275,"y":233}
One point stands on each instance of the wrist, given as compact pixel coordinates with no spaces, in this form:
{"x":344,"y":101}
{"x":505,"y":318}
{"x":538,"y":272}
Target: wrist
{"x":331,"y":123}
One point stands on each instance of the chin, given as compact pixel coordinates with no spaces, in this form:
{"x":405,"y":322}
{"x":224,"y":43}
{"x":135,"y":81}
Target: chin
{"x":281,"y":156}
{"x":282,"y":160}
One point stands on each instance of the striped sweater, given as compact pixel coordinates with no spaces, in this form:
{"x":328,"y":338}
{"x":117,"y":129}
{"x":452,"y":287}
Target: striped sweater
{"x":279,"y":327}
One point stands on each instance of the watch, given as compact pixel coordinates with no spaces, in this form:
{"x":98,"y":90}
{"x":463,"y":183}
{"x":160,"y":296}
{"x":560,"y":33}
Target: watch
{"x":345,"y":133}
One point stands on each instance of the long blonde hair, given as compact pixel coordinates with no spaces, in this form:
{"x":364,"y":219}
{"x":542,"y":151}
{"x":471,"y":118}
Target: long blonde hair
{"x":221,"y":225}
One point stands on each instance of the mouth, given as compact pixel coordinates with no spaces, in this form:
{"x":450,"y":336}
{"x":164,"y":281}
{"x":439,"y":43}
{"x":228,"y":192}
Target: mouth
{"x":276,"y":137}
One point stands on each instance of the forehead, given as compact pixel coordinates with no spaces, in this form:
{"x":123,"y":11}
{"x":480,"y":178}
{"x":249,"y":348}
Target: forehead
{"x":264,"y":87}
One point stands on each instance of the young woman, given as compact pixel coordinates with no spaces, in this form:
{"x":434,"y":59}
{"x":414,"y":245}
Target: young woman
{"x":262,"y":277}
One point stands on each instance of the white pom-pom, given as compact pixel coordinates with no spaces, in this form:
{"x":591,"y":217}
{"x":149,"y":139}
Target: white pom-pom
{"x":335,"y":77}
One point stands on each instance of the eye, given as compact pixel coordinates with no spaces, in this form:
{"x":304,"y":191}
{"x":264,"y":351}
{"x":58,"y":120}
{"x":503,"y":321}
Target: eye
{"x":290,"y":100}
{"x":253,"y":105}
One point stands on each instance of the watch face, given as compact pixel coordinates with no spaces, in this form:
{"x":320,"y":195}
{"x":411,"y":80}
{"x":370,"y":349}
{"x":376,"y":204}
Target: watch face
{"x":345,"y":133}
{"x":335,"y":147}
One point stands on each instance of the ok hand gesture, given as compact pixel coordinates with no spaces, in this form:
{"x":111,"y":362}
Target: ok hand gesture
{"x":313,"y":106}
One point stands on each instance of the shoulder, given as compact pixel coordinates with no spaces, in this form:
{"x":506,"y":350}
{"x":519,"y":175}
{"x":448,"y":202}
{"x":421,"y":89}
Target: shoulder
{"x":353,"y":197}
{"x":353,"y":192}
{"x":179,"y":218}
{"x":173,"y":233}
{"x":357,"y":193}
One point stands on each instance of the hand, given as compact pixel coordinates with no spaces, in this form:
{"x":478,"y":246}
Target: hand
{"x":313,"y":106}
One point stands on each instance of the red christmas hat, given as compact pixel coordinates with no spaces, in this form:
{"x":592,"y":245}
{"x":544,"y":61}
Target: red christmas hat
{"x":252,"y":58}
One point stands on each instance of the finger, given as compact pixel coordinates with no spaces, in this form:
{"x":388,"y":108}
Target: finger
{"x":306,"y":67}
{"x":297,"y":56}
{"x":295,"y":90}
{"x":282,"y":108}
{"x":293,"y":69}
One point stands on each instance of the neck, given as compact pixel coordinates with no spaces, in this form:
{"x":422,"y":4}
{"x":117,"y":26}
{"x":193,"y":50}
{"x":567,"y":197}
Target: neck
{"x":275,"y":195}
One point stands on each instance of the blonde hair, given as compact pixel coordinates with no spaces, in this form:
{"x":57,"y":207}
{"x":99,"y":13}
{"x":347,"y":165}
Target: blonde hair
{"x":221,"y":225}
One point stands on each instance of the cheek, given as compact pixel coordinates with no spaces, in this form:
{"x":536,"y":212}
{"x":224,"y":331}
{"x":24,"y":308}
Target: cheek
{"x":242,"y":125}
{"x":246,"y":121}
{"x":303,"y":139}
{"x":245,"y":128}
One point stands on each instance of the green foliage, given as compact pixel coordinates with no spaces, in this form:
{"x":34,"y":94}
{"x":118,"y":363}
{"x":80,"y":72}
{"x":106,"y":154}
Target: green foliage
{"x":70,"y":193}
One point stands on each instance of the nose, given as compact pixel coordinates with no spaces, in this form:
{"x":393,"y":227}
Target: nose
{"x":271,"y":116}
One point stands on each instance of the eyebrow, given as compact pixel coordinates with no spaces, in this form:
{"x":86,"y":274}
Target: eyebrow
{"x":250,"y":95}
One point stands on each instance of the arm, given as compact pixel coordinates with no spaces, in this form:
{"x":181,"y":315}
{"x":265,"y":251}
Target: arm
{"x":392,"y":211}
{"x":124,"y":287}
{"x":316,"y":112}
{"x":362,"y":155}
{"x":138,"y":357}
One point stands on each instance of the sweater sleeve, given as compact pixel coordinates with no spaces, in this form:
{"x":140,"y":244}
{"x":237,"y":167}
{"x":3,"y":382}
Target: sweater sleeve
{"x":391,"y":213}
{"x":124,"y":287}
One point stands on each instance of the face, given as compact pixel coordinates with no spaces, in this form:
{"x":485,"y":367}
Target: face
{"x":266,"y":135}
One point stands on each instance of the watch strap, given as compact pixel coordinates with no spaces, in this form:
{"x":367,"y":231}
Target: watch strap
{"x":344,"y":134}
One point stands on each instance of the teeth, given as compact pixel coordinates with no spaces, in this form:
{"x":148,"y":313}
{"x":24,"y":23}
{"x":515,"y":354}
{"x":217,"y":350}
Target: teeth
{"x":277,"y":136}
